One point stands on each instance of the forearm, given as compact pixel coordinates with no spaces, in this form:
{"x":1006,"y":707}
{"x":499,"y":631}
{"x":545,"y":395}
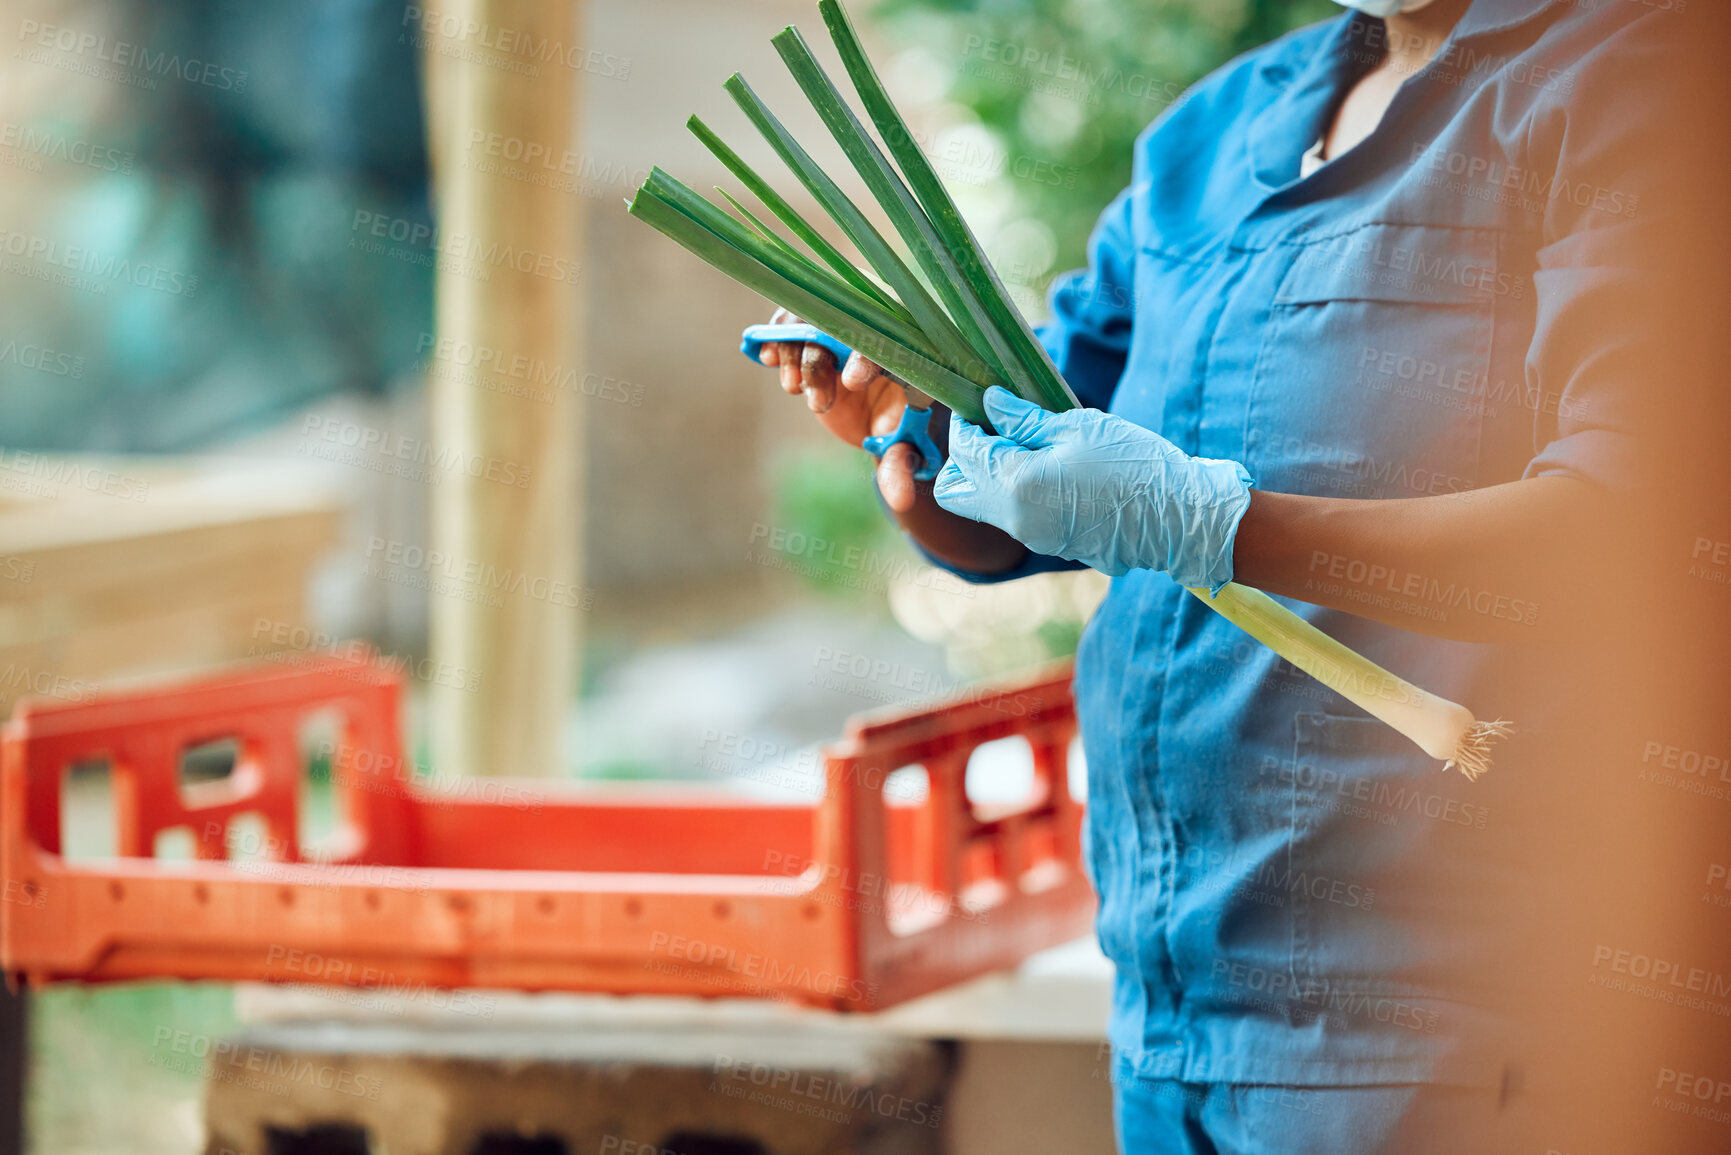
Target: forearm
{"x":973,"y":546}
{"x":1515,"y":562}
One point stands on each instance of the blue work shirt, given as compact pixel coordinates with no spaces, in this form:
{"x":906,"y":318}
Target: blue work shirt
{"x":1290,"y":890}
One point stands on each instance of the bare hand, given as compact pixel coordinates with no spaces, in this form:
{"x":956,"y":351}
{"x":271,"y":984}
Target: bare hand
{"x":859,"y":402}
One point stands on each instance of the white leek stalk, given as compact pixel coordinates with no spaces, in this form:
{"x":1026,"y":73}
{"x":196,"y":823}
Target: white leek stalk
{"x":1441,"y":728}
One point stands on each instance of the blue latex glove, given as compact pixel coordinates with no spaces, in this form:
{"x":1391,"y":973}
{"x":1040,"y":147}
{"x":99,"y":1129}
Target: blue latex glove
{"x":1097,"y":489}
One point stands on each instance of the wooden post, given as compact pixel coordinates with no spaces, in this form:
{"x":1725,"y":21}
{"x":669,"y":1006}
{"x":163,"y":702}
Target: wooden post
{"x":503,"y":86}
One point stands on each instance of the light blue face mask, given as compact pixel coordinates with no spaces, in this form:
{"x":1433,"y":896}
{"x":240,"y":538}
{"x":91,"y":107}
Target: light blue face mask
{"x":1384,"y":7}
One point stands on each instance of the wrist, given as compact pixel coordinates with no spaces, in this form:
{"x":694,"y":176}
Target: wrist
{"x":1203,"y":557}
{"x":972,"y":546}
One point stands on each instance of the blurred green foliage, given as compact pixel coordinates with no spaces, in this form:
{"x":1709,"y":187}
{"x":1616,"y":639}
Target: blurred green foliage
{"x":120,"y":1067}
{"x":1066,"y":85}
{"x":828,"y":524}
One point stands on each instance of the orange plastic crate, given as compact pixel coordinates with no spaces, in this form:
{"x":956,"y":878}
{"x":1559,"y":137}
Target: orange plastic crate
{"x":853,"y":902}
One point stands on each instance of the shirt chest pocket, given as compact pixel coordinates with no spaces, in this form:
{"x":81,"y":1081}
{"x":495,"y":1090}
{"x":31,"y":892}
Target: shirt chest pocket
{"x":1370,"y":378}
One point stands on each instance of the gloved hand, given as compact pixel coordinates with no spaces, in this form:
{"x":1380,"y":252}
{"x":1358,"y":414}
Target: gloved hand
{"x":1097,"y":489}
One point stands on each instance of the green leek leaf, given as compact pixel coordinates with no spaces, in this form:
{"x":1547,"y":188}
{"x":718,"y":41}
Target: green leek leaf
{"x":742,"y":265}
{"x":953,"y":349}
{"x":788,"y":215}
{"x":903,"y":211}
{"x":795,"y":268}
{"x":1026,"y":352}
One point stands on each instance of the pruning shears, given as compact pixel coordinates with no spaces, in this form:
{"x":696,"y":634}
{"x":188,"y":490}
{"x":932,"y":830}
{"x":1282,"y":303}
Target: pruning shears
{"x":915,"y":418}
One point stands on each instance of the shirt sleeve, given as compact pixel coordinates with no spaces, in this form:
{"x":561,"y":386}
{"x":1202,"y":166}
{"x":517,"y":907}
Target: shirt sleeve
{"x":1089,"y":340}
{"x":1606,"y":362}
{"x":1093,"y":310}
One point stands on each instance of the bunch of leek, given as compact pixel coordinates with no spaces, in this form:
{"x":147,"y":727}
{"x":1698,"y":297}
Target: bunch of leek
{"x":946,"y":326}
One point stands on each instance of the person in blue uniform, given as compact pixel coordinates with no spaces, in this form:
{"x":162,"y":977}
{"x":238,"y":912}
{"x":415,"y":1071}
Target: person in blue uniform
{"x":1358,"y":334}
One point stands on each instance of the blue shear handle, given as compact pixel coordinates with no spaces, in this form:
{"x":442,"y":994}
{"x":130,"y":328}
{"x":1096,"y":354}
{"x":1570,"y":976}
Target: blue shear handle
{"x":913,"y":430}
{"x":755,"y":337}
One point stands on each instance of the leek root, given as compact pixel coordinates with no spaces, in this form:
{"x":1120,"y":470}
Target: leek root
{"x":1441,"y":728}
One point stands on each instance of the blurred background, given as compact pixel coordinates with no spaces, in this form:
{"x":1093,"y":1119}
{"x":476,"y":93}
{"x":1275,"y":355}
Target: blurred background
{"x":230,"y":414}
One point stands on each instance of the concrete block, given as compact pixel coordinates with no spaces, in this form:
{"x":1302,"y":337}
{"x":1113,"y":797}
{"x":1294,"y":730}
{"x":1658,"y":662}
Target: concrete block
{"x":311,"y":1088}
